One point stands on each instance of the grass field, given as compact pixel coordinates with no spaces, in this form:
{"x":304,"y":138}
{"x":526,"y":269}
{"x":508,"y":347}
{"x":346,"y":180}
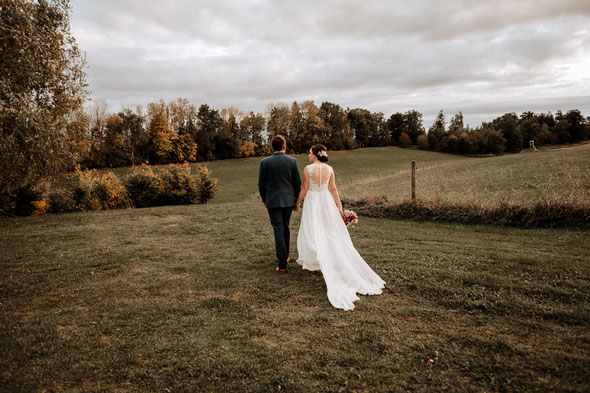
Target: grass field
{"x":185,"y":298}
{"x":517,"y":178}
{"x":557,"y":173}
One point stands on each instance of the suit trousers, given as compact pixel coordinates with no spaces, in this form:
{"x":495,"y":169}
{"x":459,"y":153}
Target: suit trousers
{"x":279,"y":219}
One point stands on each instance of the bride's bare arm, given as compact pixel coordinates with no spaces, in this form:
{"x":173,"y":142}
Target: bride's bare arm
{"x":303,"y":191}
{"x":334,"y":192}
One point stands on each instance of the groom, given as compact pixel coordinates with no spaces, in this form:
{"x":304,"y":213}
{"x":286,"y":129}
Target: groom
{"x":279,"y":183}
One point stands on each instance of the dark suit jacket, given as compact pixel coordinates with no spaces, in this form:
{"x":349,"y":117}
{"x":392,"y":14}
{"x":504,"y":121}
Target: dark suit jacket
{"x":279,"y":181}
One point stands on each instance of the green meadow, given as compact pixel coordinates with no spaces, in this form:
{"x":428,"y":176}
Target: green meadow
{"x":550,"y":174}
{"x":185,"y":298}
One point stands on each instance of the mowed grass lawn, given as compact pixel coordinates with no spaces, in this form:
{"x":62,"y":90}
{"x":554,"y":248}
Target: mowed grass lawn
{"x":185,"y":298}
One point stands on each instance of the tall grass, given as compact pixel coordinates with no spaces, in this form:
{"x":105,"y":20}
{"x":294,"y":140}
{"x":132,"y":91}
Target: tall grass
{"x":522,"y":180}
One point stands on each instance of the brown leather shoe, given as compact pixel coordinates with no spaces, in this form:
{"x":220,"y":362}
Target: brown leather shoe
{"x":281,"y":270}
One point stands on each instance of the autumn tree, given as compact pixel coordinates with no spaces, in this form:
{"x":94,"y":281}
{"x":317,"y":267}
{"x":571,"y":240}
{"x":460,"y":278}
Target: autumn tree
{"x":313,"y":127}
{"x":161,"y":137}
{"x":42,"y":81}
{"x":232,"y":118}
{"x":78,"y":136}
{"x":183,"y":115}
{"x":295,"y":131}
{"x":278,"y":120}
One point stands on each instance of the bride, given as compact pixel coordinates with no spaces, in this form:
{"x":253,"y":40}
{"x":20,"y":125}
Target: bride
{"x":323,"y":241}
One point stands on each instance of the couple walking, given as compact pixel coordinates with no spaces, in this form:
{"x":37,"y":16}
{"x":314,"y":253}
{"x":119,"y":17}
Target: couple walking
{"x":323,"y":242}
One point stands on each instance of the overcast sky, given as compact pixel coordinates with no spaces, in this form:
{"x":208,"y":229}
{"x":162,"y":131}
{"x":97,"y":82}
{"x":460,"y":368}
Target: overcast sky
{"x":484,"y":58}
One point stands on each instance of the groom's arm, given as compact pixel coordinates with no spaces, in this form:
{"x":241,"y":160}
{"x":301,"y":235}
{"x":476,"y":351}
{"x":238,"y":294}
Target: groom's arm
{"x":262,"y":182}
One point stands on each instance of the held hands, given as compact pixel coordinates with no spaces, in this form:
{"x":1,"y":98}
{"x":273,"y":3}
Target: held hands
{"x":296,"y":208}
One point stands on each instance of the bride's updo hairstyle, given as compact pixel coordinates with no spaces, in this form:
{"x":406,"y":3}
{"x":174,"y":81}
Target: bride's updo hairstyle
{"x":321,"y":152}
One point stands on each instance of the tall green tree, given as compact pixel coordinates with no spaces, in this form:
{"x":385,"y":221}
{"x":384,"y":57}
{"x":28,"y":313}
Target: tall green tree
{"x":530,"y":128}
{"x":135,"y":133}
{"x":208,"y":124}
{"x":42,"y":81}
{"x":116,"y":149}
{"x":379,"y":133}
{"x":437,"y":131}
{"x":253,"y":127}
{"x":395,"y":125}
{"x":278,"y":120}
{"x":456,"y":126}
{"x":336,"y":130}
{"x":507,"y":124}
{"x":296,"y":129}
{"x":578,"y":129}
{"x":413,"y":125}
{"x":360,"y":123}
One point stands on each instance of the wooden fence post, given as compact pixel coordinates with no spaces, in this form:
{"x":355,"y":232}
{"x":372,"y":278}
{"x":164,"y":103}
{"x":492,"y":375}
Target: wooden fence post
{"x":413,"y":181}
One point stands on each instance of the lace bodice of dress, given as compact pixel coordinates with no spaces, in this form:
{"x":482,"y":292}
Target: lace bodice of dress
{"x":319,"y":176}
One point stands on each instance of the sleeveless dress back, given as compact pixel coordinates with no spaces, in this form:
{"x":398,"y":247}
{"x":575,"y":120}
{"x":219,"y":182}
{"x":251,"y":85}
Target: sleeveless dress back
{"x":323,"y":243}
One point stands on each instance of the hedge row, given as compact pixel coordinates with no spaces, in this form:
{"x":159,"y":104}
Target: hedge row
{"x":143,"y":187}
{"x":552,"y":214}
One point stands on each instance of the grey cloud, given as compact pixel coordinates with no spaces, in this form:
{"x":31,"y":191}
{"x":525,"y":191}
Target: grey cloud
{"x":381,"y":55}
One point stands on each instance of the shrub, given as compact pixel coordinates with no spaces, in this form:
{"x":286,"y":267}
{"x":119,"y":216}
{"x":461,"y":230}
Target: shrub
{"x":547,"y":214}
{"x":144,"y":187}
{"x":28,"y":199}
{"x":60,"y":201}
{"x":110,"y":192}
{"x":248,"y":149}
{"x":404,"y":140}
{"x":207,"y":186}
{"x":41,"y":207}
{"x":178,"y":186}
{"x":82,"y":190}
{"x":496,"y":143}
{"x":423,"y":142}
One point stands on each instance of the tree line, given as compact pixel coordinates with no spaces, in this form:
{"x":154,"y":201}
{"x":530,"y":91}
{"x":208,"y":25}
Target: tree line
{"x":178,"y":131}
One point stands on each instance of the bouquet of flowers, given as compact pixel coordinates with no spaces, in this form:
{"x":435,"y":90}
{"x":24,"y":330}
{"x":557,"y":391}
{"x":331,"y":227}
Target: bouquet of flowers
{"x":349,"y":217}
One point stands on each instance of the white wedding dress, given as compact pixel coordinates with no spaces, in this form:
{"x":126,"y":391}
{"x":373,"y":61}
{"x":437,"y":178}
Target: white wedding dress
{"x":323,"y":243}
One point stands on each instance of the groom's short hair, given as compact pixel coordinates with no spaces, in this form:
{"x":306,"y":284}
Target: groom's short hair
{"x":278,"y":142}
